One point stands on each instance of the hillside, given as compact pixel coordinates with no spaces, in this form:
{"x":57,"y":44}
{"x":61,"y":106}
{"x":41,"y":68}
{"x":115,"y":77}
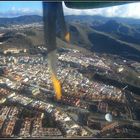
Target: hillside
{"x":95,"y":18}
{"x":27,"y":19}
{"x":103,"y":41}
{"x":95,"y":33}
{"x":122,"y":31}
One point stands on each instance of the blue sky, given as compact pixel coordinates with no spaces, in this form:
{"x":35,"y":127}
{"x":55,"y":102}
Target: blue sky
{"x":15,"y":8}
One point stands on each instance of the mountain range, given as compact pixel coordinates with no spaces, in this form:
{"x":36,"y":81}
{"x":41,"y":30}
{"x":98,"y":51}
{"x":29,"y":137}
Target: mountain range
{"x":27,"y":19}
{"x":107,"y":36}
{"x":119,"y":36}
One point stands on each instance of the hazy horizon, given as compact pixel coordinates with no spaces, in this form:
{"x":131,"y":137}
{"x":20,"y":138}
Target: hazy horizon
{"x":20,"y":8}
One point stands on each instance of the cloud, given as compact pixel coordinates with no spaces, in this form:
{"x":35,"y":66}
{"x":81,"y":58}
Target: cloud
{"x":13,"y":8}
{"x":128,"y":10}
{"x":14,"y":12}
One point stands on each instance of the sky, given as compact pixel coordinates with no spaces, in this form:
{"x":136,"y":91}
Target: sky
{"x":18,"y":8}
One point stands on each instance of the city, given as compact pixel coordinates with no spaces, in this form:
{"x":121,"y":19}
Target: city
{"x":88,"y":107}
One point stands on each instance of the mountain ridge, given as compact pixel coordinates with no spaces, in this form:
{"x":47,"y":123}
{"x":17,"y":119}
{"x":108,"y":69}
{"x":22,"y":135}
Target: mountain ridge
{"x":38,"y":18}
{"x":122,"y":39}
